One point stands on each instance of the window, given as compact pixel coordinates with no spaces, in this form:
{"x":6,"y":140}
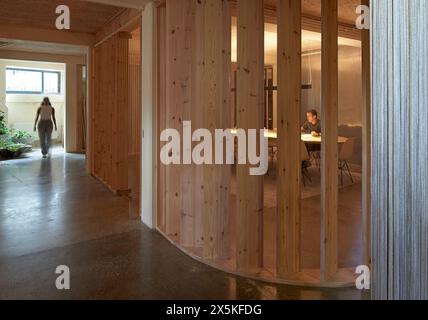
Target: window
{"x":51,"y":83}
{"x":25,"y":81}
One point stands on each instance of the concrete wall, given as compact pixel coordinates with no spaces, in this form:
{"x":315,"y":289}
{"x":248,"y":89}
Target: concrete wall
{"x":71,"y":109}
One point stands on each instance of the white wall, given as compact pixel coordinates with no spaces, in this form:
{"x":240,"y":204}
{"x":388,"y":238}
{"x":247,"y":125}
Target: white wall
{"x":21,"y":108}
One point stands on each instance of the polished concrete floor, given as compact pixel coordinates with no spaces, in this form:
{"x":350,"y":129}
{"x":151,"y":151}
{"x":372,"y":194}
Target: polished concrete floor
{"x":52,"y":213}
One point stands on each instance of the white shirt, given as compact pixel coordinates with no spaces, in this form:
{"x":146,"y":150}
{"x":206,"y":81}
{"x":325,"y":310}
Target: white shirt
{"x":45,"y":112}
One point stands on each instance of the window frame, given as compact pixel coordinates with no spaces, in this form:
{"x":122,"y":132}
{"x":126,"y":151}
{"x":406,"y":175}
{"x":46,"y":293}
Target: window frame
{"x":42,"y":71}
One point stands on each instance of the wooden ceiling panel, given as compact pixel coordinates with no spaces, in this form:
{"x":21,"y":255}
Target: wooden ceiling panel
{"x":85,"y":16}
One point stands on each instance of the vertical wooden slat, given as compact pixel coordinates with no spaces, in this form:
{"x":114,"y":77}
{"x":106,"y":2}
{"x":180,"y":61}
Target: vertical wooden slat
{"x":93,"y":109}
{"x":366,"y":148}
{"x":176,"y":96}
{"x":329,"y":167}
{"x":289,"y":166}
{"x":198,"y":120}
{"x":80,"y":101}
{"x":109,"y":102}
{"x":192,"y":62}
{"x":217,"y":116}
{"x":110,"y":112}
{"x":250,"y":105}
{"x":134,"y":123}
{"x":120,"y":115}
{"x":134,"y":115}
{"x":183,"y":189}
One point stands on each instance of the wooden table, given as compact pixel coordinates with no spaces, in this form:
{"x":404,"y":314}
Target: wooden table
{"x":306,"y":138}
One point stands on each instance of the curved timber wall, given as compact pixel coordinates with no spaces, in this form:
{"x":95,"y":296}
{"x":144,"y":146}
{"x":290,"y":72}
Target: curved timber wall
{"x":216,"y":213}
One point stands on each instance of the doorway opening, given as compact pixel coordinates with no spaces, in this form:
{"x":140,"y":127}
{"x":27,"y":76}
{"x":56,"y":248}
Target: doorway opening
{"x":23,"y":86}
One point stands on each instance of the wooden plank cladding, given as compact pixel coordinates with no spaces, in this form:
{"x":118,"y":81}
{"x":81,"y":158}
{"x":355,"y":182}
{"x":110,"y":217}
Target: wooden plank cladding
{"x":134,"y":115}
{"x":183,"y":184}
{"x":289,"y":165}
{"x":250,"y":115}
{"x":194,"y":85}
{"x":214,"y":212}
{"x":134,"y":122}
{"x":110,"y":112}
{"x":329,"y":167}
{"x":216,"y":102}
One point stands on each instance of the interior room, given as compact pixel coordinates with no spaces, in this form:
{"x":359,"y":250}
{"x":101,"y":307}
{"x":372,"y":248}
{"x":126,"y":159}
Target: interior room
{"x":350,"y":140}
{"x":341,"y":192}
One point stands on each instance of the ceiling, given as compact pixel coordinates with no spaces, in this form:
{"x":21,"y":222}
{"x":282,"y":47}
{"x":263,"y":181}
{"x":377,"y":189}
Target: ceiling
{"x":312,"y":8}
{"x":41,"y":47}
{"x":85,"y":16}
{"x":346,"y":9}
{"x":90,"y":16}
{"x":311,"y":41}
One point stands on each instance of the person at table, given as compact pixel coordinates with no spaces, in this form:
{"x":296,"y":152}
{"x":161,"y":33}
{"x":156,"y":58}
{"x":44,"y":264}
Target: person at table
{"x":312,"y":124}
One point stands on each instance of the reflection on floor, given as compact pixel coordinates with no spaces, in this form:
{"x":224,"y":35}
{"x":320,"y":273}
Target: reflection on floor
{"x":52,"y":213}
{"x":349,"y":211}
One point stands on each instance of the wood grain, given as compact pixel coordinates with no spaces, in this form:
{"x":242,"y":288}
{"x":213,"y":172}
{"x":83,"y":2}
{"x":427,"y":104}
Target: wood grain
{"x":329,"y":164}
{"x":250,"y":105}
{"x":289,"y":166}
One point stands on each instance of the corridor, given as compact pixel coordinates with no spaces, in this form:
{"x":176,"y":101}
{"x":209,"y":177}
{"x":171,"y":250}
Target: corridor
{"x":52,"y":213}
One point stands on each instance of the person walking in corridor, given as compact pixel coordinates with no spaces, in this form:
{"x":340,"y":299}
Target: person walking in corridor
{"x":46,"y":115}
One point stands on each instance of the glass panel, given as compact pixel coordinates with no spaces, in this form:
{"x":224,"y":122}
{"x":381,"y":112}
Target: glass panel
{"x":51,"y":82}
{"x":26,"y":81}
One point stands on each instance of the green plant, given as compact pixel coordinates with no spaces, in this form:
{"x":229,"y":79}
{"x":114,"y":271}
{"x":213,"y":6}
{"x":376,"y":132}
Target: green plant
{"x":14,"y":147}
{"x":3,"y":126}
{"x":20,"y":136}
{"x":3,"y":144}
{"x":13,"y":143}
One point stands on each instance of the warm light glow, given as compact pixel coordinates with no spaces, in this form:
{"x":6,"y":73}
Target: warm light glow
{"x":311,"y":41}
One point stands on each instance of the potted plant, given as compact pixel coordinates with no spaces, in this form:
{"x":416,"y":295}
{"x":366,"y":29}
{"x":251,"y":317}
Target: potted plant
{"x":21,"y":136}
{"x":13,"y":143}
{"x":10,"y":150}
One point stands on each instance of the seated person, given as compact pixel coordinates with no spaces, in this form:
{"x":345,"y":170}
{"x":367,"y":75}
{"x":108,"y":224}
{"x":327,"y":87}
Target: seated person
{"x":312,"y":125}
